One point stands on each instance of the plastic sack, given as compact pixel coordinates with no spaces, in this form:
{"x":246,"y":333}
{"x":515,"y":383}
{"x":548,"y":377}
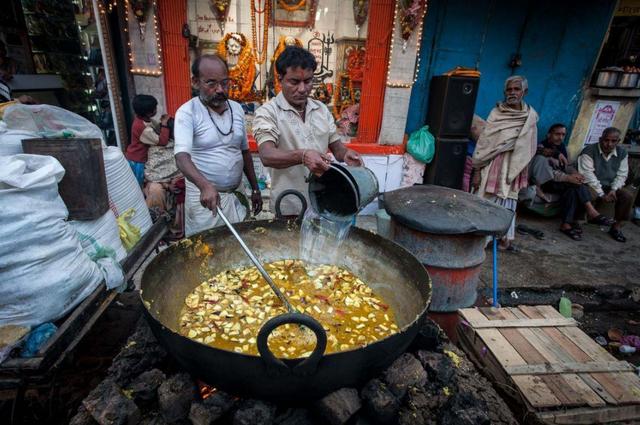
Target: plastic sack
{"x":129,"y":234}
{"x":37,"y":338}
{"x":422,"y":145}
{"x":11,"y":140}
{"x":105,"y":258}
{"x":104,"y":231}
{"x":124,"y":190}
{"x":50,"y":121}
{"x":44,"y":273}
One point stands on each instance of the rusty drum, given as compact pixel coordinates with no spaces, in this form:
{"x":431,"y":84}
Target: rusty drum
{"x":446,"y":229}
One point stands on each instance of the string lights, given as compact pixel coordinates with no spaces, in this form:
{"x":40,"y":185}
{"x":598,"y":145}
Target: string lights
{"x":138,"y":70}
{"x":403,"y":84}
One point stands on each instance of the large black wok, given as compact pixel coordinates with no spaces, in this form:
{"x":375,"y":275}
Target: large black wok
{"x":389,"y":269}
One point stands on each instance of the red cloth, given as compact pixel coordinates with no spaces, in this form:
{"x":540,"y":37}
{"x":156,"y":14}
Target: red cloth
{"x":137,"y":151}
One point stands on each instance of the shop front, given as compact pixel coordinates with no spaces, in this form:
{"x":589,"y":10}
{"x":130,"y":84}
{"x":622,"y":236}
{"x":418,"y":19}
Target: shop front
{"x":53,"y":51}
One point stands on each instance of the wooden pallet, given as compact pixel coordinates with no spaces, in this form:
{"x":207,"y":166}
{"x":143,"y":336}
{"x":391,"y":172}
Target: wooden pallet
{"x":556,"y":372}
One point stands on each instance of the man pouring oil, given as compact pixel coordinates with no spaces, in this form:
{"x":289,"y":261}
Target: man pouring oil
{"x":294,"y":131}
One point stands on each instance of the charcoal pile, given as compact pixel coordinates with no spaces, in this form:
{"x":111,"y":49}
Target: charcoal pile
{"x":433,"y":383}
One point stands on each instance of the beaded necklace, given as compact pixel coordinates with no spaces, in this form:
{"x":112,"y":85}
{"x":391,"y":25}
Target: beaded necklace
{"x":214,"y":123}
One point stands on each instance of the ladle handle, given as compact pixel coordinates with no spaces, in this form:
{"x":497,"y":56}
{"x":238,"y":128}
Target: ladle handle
{"x":256,"y":263}
{"x":276,"y":366}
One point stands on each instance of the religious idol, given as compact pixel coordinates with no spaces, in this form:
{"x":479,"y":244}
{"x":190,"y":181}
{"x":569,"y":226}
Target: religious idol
{"x":282,"y":44}
{"x":235,"y":49}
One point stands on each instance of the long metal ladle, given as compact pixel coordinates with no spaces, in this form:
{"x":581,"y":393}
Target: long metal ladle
{"x":257,"y":263}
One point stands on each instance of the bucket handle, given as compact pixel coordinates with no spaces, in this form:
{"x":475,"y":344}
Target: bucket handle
{"x":276,"y":366}
{"x":297,"y":195}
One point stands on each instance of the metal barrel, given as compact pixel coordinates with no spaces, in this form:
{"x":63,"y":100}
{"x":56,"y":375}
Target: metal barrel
{"x":84,"y":185}
{"x":340,"y":192}
{"x":454,"y":263}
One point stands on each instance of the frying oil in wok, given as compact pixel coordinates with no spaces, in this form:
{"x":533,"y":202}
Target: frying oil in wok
{"x":228,"y":310}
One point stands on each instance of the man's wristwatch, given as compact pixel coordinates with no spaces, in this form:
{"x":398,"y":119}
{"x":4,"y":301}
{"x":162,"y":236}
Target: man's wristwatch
{"x":256,"y":191}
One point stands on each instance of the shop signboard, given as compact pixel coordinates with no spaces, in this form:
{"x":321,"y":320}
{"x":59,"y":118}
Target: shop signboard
{"x":603,"y":116}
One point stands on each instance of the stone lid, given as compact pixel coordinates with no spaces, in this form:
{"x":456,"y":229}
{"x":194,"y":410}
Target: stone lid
{"x":441,"y":210}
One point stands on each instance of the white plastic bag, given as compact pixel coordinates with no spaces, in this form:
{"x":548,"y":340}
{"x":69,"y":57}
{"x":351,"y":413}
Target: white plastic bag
{"x":11,"y":140}
{"x":124,"y":190}
{"x":44,"y":273}
{"x":104,"y":231}
{"x":50,"y":121}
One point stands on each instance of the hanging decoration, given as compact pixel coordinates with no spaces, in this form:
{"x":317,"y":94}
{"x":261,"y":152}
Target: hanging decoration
{"x":140,"y":64}
{"x":411,"y":15}
{"x":360,"y":12}
{"x":292,"y":5}
{"x":141,"y":11}
{"x":235,"y":49}
{"x":260,"y":55}
{"x":221,"y":10}
{"x":402,"y":84}
{"x":282,"y":44}
{"x":295,"y":13}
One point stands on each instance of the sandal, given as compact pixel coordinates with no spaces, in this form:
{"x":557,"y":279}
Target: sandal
{"x":617,"y":235}
{"x":523,"y":230}
{"x":577,"y":227}
{"x":601,"y":220}
{"x":511,"y":248}
{"x":572,"y":233}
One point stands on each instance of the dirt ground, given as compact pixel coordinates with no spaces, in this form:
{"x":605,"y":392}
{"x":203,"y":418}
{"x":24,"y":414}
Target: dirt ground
{"x":558,"y":261}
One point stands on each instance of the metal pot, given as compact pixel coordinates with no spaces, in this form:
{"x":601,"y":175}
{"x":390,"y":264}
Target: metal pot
{"x":628,"y":80}
{"x":607,"y":78}
{"x":388,"y":268}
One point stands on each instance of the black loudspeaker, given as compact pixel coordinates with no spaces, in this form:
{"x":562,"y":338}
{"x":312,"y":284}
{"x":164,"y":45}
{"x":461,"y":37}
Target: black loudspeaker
{"x":447,"y":166}
{"x":452,"y":101}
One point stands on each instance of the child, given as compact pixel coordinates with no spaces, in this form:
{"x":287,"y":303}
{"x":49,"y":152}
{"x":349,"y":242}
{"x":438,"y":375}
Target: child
{"x":145,"y":133}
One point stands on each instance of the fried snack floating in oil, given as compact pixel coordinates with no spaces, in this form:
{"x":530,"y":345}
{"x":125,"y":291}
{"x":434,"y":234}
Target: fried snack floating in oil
{"x":228,"y":310}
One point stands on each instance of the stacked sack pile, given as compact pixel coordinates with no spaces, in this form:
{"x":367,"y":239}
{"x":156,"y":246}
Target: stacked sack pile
{"x":49,"y":264}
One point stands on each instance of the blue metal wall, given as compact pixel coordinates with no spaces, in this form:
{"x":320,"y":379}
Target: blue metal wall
{"x":559,"y":41}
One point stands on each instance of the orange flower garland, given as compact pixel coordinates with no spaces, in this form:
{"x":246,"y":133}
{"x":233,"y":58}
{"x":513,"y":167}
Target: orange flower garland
{"x":292,"y":7}
{"x":261,"y":57}
{"x":243,"y":73}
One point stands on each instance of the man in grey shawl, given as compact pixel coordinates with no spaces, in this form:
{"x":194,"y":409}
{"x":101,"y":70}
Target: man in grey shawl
{"x":504,"y":150}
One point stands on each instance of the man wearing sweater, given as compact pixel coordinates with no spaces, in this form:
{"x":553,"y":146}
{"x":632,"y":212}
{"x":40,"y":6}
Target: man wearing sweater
{"x":605,"y":167}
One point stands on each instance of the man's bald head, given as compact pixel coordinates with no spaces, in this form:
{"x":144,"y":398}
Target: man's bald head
{"x":195,"y":67}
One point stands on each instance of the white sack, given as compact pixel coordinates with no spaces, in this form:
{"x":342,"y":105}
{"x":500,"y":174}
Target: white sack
{"x":44,"y":273}
{"x":103,"y":230}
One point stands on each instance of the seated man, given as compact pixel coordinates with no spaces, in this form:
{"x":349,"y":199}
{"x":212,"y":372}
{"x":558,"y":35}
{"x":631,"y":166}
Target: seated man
{"x":550,"y":173}
{"x":605,"y":167}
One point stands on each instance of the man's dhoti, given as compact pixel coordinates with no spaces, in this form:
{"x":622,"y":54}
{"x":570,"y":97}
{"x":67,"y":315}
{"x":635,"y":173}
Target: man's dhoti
{"x":199,"y":218}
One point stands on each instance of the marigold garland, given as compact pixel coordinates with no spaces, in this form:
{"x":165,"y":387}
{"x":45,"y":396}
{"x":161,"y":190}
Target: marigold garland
{"x":244,"y":72}
{"x":292,"y":7}
{"x":261,"y":57}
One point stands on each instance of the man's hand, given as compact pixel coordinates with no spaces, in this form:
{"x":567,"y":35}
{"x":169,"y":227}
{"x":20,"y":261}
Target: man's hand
{"x":475,"y":180}
{"x":547,"y":151}
{"x":210,"y":198}
{"x":352,"y":158}
{"x":576,"y":178}
{"x":316,"y":162}
{"x":610,"y":197}
{"x":164,"y":119}
{"x":563,"y":160}
{"x":256,"y":201}
{"x":27,"y":100}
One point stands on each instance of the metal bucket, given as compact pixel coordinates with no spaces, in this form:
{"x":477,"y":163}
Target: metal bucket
{"x":84,"y":185}
{"x":342,"y":191}
{"x":454,"y":263}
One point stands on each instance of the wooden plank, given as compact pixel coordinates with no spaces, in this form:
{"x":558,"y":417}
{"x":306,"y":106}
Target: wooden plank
{"x":570,"y":367}
{"x":537,"y":391}
{"x":533,"y":392}
{"x":535,"y":352}
{"x":523,"y":323}
{"x":592,"y":416}
{"x":620,"y":387}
